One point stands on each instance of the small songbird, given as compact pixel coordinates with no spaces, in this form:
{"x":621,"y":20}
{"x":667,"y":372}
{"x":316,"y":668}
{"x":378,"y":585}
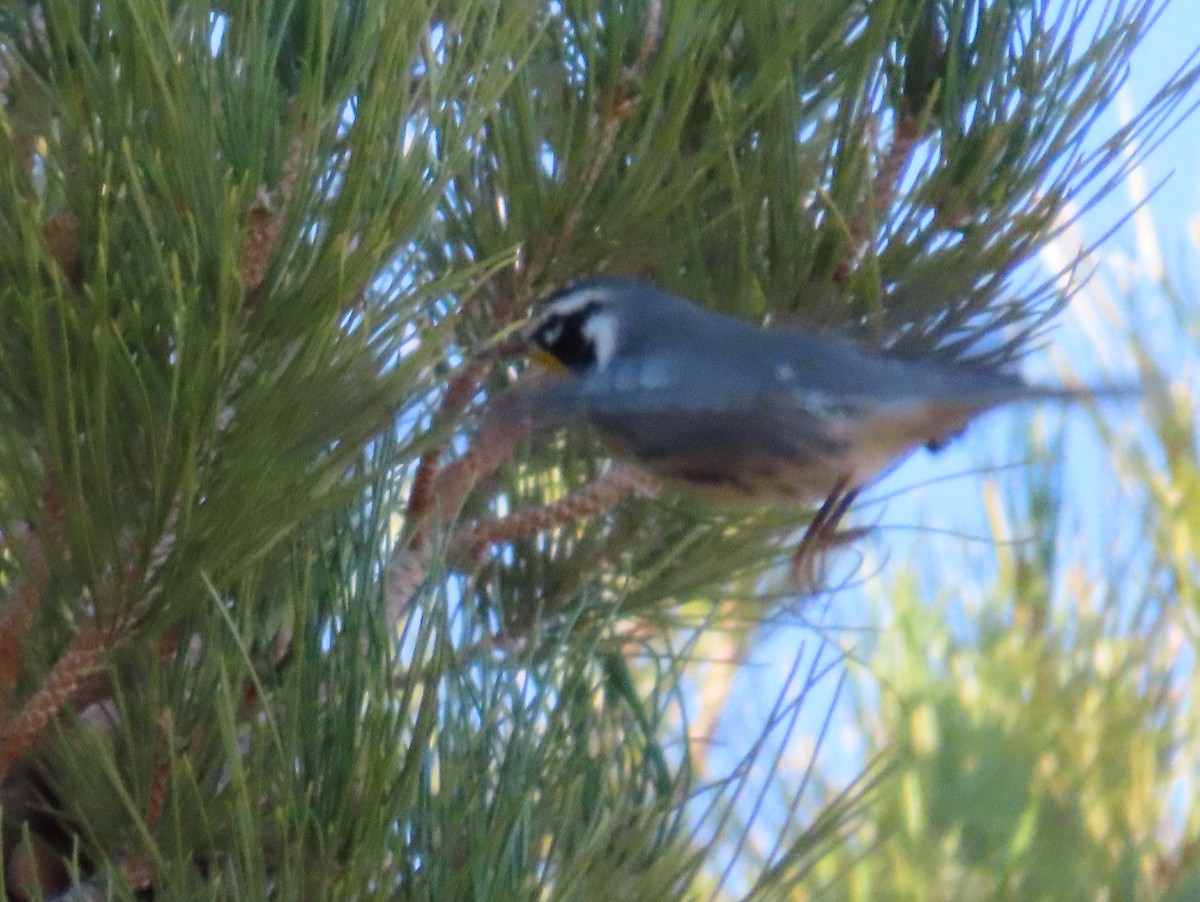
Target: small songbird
{"x":735,"y":412}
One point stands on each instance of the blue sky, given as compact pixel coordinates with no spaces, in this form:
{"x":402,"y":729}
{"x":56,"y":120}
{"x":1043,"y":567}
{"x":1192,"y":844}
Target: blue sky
{"x":925,"y":493}
{"x":919,"y":491}
{"x":1168,"y":44}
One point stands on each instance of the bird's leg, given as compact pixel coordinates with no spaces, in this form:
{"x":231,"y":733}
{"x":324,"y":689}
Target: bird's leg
{"x":822,"y":534}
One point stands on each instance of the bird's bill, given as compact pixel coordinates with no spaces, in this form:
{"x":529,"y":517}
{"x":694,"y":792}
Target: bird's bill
{"x":546,"y":360}
{"x":513,"y":340}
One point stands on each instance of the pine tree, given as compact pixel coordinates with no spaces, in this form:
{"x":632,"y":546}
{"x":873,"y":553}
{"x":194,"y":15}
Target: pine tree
{"x":288,"y":610}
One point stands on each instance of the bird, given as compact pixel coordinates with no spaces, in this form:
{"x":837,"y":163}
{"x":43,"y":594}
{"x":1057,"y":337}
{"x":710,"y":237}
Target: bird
{"x":739,"y":414}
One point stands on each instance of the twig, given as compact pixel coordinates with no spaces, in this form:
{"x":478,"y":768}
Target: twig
{"x":507,"y":424}
{"x":404,"y":574}
{"x":81,"y":659}
{"x":266,"y":219}
{"x":157,"y":559}
{"x":650,"y":38}
{"x":591,"y":500}
{"x":884,"y":187}
{"x":496,"y":440}
{"x":156,"y":797}
{"x":588,"y":501}
{"x":895,"y":163}
{"x":137,"y":871}
{"x":161,"y":552}
{"x":19,"y":611}
{"x":421,"y":497}
{"x":622,"y":103}
{"x":618,"y":108}
{"x":59,"y":237}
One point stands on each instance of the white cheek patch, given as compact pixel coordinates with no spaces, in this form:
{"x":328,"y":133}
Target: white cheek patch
{"x":601,"y":332}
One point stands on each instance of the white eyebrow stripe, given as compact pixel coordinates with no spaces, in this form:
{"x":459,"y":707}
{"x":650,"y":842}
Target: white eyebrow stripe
{"x":575,"y":301}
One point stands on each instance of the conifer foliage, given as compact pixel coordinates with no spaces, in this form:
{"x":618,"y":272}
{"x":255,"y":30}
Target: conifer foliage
{"x":289,"y":607}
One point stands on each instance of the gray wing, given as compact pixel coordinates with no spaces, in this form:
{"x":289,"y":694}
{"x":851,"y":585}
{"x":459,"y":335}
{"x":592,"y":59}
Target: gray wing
{"x":789,"y":415}
{"x":705,"y":425}
{"x":845,"y":372}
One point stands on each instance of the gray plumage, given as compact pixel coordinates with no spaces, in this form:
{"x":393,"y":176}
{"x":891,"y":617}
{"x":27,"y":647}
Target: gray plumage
{"x":736,"y":411}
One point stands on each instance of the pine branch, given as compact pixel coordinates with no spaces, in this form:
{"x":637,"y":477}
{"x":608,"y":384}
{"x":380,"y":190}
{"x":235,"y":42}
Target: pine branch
{"x":251,"y":264}
{"x":19,"y":611}
{"x":81,"y":659}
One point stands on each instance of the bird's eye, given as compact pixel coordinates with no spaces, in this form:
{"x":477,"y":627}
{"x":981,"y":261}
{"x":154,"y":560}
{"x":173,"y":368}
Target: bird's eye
{"x":550,"y":333}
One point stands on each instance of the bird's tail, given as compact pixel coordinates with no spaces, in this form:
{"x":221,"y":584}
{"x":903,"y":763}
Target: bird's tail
{"x":983,"y":389}
{"x":1068,"y":394}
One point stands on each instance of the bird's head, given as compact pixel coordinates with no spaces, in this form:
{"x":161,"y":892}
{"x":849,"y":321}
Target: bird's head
{"x":577,"y":327}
